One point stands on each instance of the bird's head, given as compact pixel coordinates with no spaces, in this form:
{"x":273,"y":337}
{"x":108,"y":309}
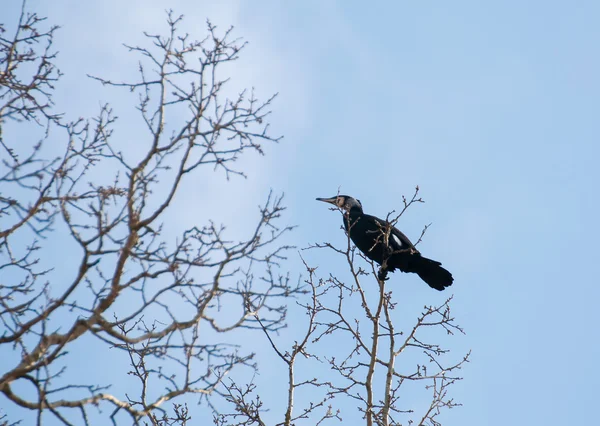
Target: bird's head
{"x":343,"y":202}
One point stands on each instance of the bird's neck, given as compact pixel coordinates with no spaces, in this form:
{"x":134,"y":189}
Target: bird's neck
{"x":355,"y":212}
{"x":352,"y":216}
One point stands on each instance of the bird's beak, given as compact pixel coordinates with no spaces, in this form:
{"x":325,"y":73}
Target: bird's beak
{"x":331,"y":200}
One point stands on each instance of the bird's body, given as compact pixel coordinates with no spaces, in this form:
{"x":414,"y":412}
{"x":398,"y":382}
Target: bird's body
{"x":386,"y":245}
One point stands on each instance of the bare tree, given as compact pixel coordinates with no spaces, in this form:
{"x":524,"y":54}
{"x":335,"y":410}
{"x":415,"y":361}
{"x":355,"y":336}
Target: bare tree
{"x":164,"y":300}
{"x":374,"y":363}
{"x":172,"y":305}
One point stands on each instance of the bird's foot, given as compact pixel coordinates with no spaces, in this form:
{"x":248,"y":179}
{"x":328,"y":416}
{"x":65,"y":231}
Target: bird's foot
{"x":382,"y":275}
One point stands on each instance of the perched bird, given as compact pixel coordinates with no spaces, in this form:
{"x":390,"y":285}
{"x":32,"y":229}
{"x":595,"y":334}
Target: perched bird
{"x":386,"y":245}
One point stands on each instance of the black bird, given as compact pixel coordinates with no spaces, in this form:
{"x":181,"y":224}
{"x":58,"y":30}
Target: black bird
{"x":383,"y":243}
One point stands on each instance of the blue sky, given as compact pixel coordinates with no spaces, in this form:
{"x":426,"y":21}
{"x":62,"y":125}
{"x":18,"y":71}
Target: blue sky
{"x":491,"y":108}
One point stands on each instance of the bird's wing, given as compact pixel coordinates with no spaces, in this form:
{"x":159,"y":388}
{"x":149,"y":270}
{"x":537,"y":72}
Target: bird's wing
{"x":399,"y":241}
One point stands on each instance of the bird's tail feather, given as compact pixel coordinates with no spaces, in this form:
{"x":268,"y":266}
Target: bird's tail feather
{"x":431,"y":272}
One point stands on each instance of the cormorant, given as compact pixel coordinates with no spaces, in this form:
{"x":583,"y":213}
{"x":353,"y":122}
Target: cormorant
{"x":386,"y":245}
